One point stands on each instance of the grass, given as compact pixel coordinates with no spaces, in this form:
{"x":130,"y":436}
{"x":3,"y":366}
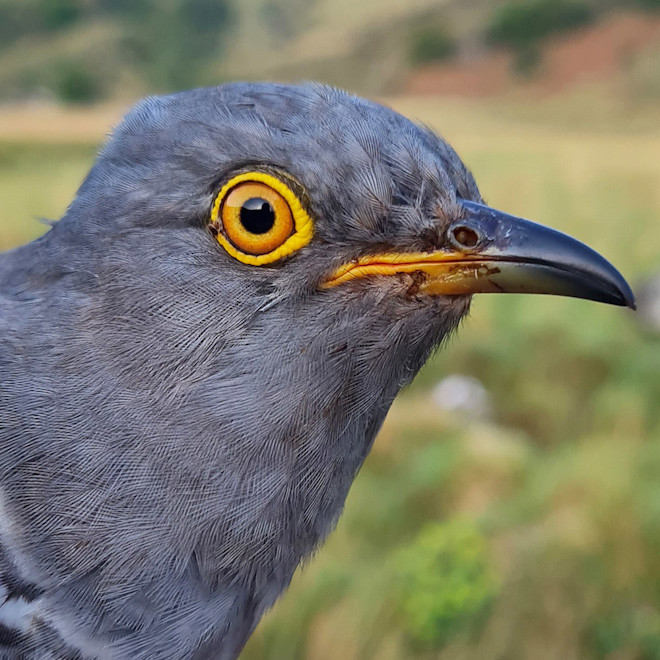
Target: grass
{"x":562,"y":485}
{"x":37,"y":181}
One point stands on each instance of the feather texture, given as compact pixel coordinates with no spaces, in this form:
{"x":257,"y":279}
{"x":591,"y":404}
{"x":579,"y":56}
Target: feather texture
{"x":179,"y":430}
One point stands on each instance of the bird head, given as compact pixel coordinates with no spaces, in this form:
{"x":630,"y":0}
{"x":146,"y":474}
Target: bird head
{"x":246,"y":279}
{"x":272,"y":264}
{"x":323,"y":206}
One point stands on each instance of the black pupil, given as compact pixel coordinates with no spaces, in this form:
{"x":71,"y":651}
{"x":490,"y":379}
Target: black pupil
{"x":257,"y":215}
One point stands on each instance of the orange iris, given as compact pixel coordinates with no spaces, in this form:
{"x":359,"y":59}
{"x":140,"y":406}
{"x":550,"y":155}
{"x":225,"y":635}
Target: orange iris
{"x":256,"y":219}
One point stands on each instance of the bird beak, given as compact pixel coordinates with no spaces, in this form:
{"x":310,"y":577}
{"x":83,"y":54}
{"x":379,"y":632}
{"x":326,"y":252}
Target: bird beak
{"x":492,"y":252}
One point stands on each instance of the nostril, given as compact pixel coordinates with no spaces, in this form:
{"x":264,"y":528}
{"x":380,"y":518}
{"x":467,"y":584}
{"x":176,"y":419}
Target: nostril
{"x":464,"y":237}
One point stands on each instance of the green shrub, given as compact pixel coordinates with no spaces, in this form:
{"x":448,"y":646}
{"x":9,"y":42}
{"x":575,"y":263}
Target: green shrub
{"x":127,"y":9}
{"x":517,"y":22}
{"x":172,"y":46}
{"x":59,"y":14}
{"x":430,"y":44}
{"x":447,"y":582}
{"x":76,"y":84}
{"x":527,"y":60}
{"x":19,"y":19}
{"x":648,"y":4}
{"x":633,"y":626}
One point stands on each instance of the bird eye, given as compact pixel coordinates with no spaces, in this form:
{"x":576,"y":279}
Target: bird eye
{"x":258,"y":219}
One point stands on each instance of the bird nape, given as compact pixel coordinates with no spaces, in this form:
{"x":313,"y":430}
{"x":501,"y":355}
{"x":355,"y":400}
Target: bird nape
{"x":197,"y":357}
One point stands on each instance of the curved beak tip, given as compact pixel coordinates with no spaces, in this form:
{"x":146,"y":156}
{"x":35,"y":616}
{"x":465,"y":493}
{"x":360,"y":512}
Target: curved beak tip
{"x":537,"y":259}
{"x":629,"y":300}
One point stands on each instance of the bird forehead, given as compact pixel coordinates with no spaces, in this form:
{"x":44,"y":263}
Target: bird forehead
{"x":349,"y":140}
{"x":363,"y":166}
{"x":362,"y":163}
{"x":305,"y":128}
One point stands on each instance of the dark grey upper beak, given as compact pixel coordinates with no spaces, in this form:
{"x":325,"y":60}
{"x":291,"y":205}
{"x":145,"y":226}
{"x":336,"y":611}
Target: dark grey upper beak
{"x":488,"y":251}
{"x":525,"y":257}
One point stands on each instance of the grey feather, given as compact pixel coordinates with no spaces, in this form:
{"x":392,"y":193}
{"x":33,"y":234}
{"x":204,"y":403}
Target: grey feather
{"x":180,"y":430}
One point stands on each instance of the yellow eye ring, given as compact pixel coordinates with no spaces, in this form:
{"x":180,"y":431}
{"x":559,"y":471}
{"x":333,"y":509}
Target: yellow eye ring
{"x":258,"y":219}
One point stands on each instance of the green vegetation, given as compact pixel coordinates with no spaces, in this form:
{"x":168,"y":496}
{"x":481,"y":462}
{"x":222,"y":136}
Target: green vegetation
{"x":653,"y":5}
{"x":517,"y":23}
{"x":527,"y":60}
{"x":37,"y":182}
{"x":36,"y":17}
{"x":163,"y":43}
{"x":447,"y":582}
{"x":523,"y":25}
{"x":122,"y":49}
{"x":534,"y":535}
{"x":74,"y":83}
{"x":170,"y":47}
{"x":430,"y":44}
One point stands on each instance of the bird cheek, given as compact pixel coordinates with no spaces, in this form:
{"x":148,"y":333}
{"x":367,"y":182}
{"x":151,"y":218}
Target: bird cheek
{"x":411,"y":286}
{"x":432,"y":238}
{"x":413,"y":282}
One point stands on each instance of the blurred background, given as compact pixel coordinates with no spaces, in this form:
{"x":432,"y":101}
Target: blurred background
{"x":511,"y":505}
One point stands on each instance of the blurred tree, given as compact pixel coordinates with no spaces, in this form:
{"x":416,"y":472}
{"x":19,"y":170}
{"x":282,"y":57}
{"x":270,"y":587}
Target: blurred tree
{"x":178,"y":36}
{"x":11,"y":22}
{"x":517,"y":23}
{"x":284,"y":19}
{"x":31,"y":17}
{"x":75,"y":83}
{"x":128,"y":8}
{"x":646,"y":4}
{"x":522,"y":25}
{"x":165,"y":42}
{"x":59,"y":14}
{"x":527,"y":60}
{"x":431,"y":43}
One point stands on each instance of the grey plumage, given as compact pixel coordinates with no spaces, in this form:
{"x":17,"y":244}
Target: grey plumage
{"x":180,"y":429}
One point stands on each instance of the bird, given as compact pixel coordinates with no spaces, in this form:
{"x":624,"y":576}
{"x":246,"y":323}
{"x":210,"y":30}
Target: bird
{"x":196,"y":358}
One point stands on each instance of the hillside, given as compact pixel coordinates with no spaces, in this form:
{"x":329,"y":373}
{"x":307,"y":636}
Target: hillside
{"x":619,"y":47}
{"x":83,"y":51}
